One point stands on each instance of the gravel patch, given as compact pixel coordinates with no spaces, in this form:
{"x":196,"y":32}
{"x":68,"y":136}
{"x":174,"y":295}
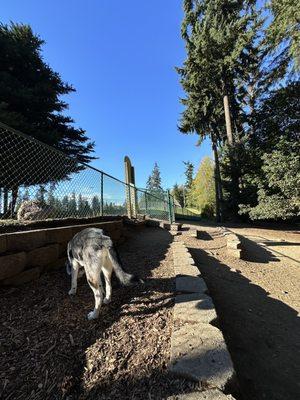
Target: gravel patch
{"x":257,"y":302}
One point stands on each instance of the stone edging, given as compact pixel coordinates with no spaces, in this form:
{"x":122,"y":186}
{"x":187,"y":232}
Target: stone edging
{"x":198,"y":348}
{"x":233,"y":243}
{"x":25,"y":255}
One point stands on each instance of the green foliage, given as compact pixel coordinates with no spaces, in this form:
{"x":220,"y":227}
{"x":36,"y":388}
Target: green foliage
{"x":283,"y":34}
{"x":30,"y":101}
{"x":232,"y":51}
{"x":189,"y":174}
{"x":222,"y":58}
{"x":178,"y":192}
{"x":202,"y":194}
{"x":154,"y":181}
{"x":30,"y":93}
{"x":279,"y":185}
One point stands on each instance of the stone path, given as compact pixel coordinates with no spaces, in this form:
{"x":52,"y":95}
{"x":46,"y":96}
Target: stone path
{"x":198,"y":348}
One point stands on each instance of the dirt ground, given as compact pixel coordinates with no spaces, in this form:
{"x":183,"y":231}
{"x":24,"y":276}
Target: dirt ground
{"x":49,"y":350}
{"x":258,"y":302}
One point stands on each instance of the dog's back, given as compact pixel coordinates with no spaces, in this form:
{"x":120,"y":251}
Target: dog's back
{"x":95,"y":252}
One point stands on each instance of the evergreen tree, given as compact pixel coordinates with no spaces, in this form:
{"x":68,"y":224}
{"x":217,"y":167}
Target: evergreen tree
{"x":283,"y":34}
{"x":220,"y":76}
{"x":65,"y":205}
{"x":40,"y":194}
{"x":178,"y":192}
{"x":81,"y":206}
{"x":202,"y":193}
{"x":154,"y":181}
{"x":26,"y":195}
{"x":96,"y":206}
{"x":189,"y":172}
{"x":51,"y":198}
{"x":278,"y":184}
{"x":30,"y":93}
{"x":73,"y":205}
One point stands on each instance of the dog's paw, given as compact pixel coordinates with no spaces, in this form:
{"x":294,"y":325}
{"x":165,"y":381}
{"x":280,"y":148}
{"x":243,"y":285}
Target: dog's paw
{"x":106,"y":300}
{"x":92,"y":315}
{"x":72,"y":292}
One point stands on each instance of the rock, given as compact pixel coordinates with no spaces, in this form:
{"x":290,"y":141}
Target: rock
{"x":32,"y":210}
{"x":183,"y":260}
{"x":3,"y":244}
{"x":23,"y":277}
{"x":186,"y":269}
{"x":59,"y":235}
{"x":12,"y":264}
{"x":199,"y":353}
{"x":212,"y":394}
{"x":176,"y":227}
{"x":234,"y":245}
{"x":200,"y":310}
{"x":43,"y":255}
{"x":190,"y":284}
{"x":24,"y":241}
{"x":234,"y":253}
{"x":55,"y":265}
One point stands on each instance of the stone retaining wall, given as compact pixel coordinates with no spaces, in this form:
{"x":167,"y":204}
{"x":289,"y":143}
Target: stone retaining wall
{"x":26,"y":255}
{"x":233,"y":243}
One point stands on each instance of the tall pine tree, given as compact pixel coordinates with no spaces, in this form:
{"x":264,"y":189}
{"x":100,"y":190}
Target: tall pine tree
{"x":219,"y":75}
{"x":154,"y":181}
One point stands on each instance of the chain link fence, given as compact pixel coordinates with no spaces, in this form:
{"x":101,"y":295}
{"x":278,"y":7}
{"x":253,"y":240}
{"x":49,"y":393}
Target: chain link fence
{"x":38,"y":182}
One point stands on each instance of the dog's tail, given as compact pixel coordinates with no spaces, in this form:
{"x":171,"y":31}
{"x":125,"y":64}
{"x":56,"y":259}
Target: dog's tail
{"x":69,"y":260}
{"x":125,"y":278}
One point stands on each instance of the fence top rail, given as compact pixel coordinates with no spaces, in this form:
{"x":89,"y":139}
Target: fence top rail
{"x":53,"y":149}
{"x":74,"y":159}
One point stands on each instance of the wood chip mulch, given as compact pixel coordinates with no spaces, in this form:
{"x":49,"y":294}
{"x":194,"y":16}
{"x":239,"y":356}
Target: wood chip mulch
{"x":49,"y":350}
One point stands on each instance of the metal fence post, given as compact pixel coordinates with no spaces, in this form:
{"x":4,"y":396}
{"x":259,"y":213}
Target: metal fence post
{"x":129,"y":209}
{"x":101,"y":193}
{"x":170,"y":207}
{"x":146,"y":203}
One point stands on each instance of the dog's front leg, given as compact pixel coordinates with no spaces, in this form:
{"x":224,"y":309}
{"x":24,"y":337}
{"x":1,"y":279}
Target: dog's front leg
{"x":95,"y":285}
{"x":74,"y":275}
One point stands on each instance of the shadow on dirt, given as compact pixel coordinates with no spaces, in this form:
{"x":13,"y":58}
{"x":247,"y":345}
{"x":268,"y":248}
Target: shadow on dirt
{"x":254,"y":252}
{"x":262,"y":334}
{"x":47,"y":334}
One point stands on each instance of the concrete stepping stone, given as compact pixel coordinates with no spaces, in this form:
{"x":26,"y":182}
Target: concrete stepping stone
{"x":191,"y":310}
{"x":186,"y":269}
{"x":199,"y":353}
{"x":190,"y":284}
{"x":212,"y":394}
{"x":183,"y":260}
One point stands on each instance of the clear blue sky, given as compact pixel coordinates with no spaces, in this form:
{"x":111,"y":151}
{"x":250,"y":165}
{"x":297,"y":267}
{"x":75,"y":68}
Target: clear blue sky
{"x":120,"y":57}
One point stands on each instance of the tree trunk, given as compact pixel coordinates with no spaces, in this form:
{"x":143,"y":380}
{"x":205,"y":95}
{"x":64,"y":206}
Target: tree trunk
{"x":228,"y":120}
{"x":5,"y":201}
{"x":15,"y":191}
{"x":218,"y":183}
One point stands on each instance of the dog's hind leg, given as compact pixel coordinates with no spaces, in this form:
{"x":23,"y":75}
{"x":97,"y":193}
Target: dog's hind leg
{"x":95,"y":284}
{"x":74,"y":275}
{"x":107,"y":271}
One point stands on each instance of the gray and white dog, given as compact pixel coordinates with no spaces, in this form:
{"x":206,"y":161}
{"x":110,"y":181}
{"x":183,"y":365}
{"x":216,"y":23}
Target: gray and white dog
{"x":92,"y":250}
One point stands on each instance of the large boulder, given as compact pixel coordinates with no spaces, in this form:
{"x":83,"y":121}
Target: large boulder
{"x":33,"y":210}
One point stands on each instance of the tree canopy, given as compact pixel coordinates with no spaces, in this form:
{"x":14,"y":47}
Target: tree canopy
{"x":31,"y":101}
{"x":242,"y":91}
{"x":154,"y":181}
{"x":31,"y":94}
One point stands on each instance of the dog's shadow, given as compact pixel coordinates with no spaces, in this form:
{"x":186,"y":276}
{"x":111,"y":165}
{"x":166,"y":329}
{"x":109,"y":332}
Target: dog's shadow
{"x":58,"y":332}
